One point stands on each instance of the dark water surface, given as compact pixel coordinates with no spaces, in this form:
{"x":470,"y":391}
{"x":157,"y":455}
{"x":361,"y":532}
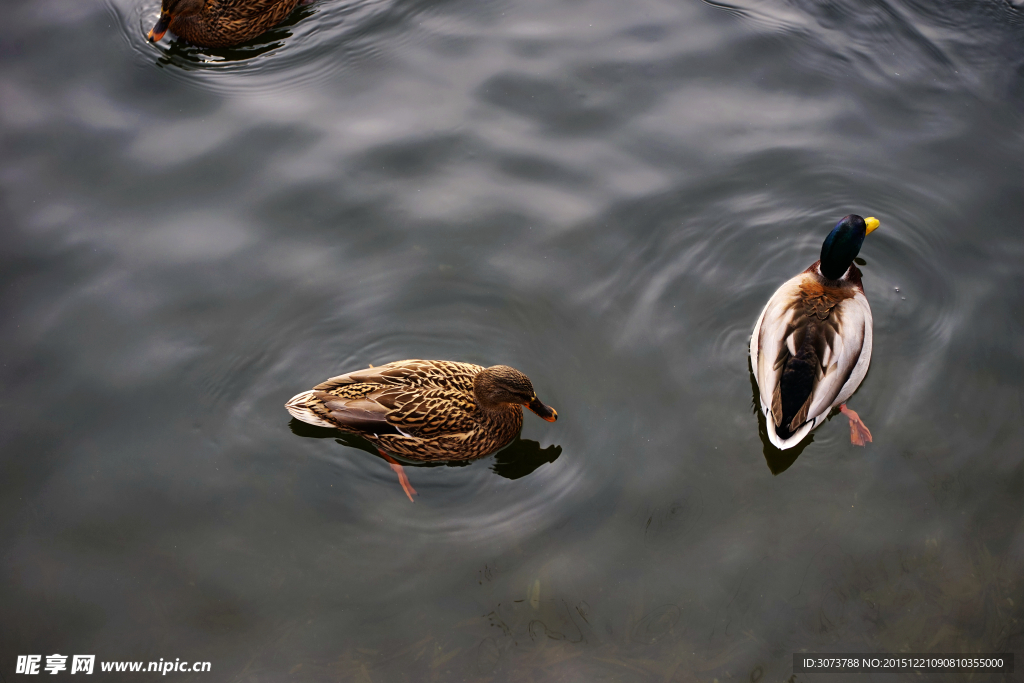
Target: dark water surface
{"x":601,"y":194}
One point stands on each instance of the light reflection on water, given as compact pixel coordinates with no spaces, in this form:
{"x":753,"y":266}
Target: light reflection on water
{"x":602,"y":197}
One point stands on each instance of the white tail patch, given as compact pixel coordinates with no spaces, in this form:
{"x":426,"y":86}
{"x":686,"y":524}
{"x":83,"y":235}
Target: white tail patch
{"x":298,"y":406}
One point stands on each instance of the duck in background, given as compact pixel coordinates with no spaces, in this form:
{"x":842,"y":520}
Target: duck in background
{"x":220,"y":23}
{"x":424,"y":409}
{"x":811,"y":346}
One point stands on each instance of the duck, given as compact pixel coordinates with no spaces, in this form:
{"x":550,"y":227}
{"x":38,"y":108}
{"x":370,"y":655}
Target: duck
{"x":811,"y":345}
{"x":426,"y":410}
{"x":219,"y":23}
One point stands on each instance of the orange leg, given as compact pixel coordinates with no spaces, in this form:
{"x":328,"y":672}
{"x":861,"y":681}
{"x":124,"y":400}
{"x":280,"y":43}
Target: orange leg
{"x":404,"y":480}
{"x":859,"y":433}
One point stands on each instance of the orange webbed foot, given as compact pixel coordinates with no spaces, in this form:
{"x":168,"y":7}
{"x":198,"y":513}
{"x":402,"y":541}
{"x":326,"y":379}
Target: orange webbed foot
{"x":859,"y":432}
{"x":403,"y":479}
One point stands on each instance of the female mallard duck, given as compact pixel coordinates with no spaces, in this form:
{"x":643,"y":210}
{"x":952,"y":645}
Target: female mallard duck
{"x":424,"y":409}
{"x":219,"y":23}
{"x":811,"y":346}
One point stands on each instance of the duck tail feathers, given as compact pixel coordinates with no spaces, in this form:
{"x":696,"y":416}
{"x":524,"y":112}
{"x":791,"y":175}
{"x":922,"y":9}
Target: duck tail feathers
{"x":794,"y":438}
{"x":300,"y":407}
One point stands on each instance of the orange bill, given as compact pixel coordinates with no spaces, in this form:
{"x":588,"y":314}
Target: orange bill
{"x":158,"y":31}
{"x":543,"y":412}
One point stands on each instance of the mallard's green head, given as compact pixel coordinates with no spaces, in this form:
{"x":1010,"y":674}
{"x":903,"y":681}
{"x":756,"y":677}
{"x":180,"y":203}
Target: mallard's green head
{"x":843,"y":244}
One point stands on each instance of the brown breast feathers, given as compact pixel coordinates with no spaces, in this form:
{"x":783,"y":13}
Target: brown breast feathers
{"x":818,"y":299}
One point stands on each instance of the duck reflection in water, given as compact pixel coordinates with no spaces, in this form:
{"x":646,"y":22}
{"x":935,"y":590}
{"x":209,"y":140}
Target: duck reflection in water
{"x":424,"y":411}
{"x":520,"y":458}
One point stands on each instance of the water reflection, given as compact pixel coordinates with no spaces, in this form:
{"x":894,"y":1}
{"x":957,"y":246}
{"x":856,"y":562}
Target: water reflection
{"x":520,"y":458}
{"x":523,"y":457}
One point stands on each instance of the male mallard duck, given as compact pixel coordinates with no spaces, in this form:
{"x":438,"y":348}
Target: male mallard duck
{"x":424,"y":409}
{"x":811,"y":346}
{"x":219,"y":23}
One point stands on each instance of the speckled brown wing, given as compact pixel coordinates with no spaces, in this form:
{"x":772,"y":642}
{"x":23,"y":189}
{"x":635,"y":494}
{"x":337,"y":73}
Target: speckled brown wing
{"x":352,"y":407}
{"x":245,"y":20}
{"x":412,"y":374}
{"x":420,"y":399}
{"x":224,"y":23}
{"x":257,"y":9}
{"x":429,"y":413}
